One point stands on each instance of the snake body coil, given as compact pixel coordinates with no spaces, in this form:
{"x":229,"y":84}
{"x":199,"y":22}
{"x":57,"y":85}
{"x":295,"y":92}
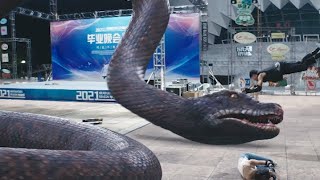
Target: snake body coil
{"x":43,"y":147}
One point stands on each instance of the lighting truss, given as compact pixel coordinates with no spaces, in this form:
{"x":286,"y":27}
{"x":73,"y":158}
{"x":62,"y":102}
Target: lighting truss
{"x":201,"y":4}
{"x":122,"y":12}
{"x":33,"y":13}
{"x":96,"y":14}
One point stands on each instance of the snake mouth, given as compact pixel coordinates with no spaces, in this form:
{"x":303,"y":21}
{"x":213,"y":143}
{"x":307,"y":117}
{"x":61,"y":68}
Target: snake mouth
{"x":266,"y":122}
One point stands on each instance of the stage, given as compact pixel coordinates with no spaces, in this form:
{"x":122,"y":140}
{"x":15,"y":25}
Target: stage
{"x":56,"y":91}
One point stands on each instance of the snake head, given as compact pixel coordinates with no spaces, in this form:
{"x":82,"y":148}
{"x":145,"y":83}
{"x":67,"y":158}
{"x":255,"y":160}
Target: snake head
{"x":233,"y":117}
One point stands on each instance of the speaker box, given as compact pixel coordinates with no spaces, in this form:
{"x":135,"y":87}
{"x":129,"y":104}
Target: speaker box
{"x":175,"y":90}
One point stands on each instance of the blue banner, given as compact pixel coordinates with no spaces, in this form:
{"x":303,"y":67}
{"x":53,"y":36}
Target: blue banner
{"x":82,"y":49}
{"x":57,"y":95}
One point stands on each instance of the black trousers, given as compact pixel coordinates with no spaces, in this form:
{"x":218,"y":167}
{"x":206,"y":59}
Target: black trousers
{"x":292,"y":67}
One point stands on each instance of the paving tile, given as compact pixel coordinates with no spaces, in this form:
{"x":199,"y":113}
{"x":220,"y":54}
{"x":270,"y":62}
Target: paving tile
{"x":169,"y":169}
{"x":194,"y":171}
{"x":174,"y":155}
{"x":182,"y":177}
{"x":296,"y":149}
{"x":230,"y":174}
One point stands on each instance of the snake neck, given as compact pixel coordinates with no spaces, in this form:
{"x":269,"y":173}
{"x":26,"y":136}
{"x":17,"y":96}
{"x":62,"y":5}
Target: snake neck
{"x":128,"y":64}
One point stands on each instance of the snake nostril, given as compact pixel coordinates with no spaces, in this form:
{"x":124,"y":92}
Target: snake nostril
{"x":279,"y":110}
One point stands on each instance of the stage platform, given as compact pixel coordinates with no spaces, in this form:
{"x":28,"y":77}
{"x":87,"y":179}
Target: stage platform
{"x":56,"y":91}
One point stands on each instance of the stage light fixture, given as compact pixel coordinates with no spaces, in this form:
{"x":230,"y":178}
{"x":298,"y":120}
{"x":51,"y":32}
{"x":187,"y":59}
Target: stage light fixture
{"x":233,"y":1}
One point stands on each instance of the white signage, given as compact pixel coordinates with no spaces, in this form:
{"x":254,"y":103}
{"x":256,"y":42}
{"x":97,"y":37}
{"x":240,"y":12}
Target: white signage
{"x":12,"y":94}
{"x":4,"y":30}
{"x":4,"y":46}
{"x":245,"y":38}
{"x":6,"y":71}
{"x":105,"y":38}
{"x":5,"y":57}
{"x":278,"y":49}
{"x":244,"y":51}
{"x":242,"y":83}
{"x":311,"y":73}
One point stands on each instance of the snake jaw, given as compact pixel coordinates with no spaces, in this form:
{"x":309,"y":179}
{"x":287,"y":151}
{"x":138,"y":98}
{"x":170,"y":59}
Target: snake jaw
{"x":236,"y":126}
{"x":265,"y":120}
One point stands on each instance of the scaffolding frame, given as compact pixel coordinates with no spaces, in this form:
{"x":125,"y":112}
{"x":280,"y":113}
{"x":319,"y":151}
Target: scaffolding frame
{"x":204,"y":41}
{"x":159,"y":66}
{"x":28,"y":58}
{"x":54,"y":10}
{"x":256,"y":30}
{"x":297,"y":50}
{"x":33,"y":13}
{"x":159,"y":69}
{"x":12,"y":18}
{"x":204,"y":33}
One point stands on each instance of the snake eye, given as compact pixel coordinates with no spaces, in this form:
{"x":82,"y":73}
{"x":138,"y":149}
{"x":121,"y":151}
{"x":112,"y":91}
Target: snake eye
{"x":235,"y":96}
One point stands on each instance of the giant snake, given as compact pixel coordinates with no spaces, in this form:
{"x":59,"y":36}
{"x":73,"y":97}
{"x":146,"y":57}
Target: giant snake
{"x":43,"y":147}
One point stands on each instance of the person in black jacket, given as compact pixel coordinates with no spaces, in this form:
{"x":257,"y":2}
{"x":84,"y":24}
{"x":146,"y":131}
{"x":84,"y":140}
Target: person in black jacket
{"x":275,"y":73}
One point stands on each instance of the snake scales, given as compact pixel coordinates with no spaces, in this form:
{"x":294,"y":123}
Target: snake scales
{"x":43,"y":147}
{"x":84,"y":152}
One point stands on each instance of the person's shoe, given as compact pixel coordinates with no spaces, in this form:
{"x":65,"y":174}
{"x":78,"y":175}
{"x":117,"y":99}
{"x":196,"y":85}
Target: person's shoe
{"x":271,"y":163}
{"x":308,"y":56}
{"x":316,"y":51}
{"x":317,"y":56}
{"x":312,"y":60}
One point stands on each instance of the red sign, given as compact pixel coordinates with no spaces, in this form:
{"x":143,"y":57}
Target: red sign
{"x":312,"y":73}
{"x":311,"y":85}
{"x":6,"y":75}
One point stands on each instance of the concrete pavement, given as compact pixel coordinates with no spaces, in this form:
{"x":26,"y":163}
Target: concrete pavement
{"x":296,"y":149}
